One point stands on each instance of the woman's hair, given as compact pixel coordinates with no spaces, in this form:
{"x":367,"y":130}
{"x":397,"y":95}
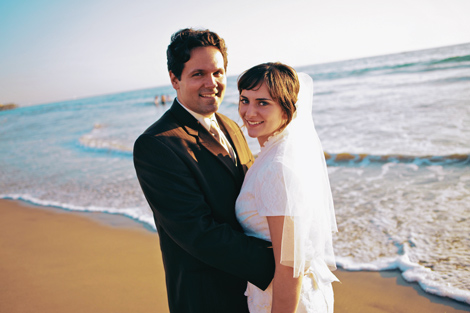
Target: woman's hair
{"x":281,"y":80}
{"x":184,"y":41}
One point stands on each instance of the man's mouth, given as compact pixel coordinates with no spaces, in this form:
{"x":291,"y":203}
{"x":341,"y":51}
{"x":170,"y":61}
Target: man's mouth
{"x":208,"y":95}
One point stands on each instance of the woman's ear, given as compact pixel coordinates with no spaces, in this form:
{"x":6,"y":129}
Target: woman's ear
{"x":284,"y":118}
{"x":285,"y":121}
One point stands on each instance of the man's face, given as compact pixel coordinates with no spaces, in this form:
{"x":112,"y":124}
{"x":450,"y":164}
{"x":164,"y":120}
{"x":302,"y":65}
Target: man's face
{"x":202,"y":85}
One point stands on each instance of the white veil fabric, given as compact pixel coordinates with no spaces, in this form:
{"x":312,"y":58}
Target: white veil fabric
{"x":309,"y":211}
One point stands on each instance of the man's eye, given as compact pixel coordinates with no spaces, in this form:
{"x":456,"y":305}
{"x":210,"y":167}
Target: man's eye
{"x":244,"y":101}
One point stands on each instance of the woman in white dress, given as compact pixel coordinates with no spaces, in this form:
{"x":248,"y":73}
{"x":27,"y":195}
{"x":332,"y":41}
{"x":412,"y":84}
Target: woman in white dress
{"x":286,"y":196}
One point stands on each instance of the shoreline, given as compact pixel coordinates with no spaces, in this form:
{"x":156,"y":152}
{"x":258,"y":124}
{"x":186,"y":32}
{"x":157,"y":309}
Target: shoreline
{"x":56,"y":260}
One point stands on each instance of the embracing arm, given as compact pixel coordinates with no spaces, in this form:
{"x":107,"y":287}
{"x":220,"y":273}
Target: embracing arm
{"x":286,"y":288}
{"x":179,"y":205}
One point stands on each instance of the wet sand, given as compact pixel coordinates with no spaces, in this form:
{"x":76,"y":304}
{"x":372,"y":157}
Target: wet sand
{"x":53,"y":260}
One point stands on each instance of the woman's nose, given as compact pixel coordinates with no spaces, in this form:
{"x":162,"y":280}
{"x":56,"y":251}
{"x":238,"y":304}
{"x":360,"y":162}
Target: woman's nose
{"x":250,"y":110}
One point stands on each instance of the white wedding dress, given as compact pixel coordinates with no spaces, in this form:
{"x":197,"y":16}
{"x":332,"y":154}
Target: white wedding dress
{"x":282,"y":183}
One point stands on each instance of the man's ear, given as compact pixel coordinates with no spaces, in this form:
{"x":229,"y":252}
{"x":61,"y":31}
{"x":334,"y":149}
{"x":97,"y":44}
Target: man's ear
{"x":175,"y":82}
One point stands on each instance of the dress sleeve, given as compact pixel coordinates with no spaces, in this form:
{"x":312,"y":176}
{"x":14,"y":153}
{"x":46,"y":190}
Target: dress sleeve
{"x":280,"y":191}
{"x":270,"y":190}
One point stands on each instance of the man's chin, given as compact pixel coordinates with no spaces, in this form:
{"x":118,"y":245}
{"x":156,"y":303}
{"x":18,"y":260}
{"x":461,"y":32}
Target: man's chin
{"x":214,"y":108}
{"x":212,"y":105}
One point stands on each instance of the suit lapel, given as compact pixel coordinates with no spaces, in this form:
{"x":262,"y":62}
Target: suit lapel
{"x":204,"y":138}
{"x":209,"y":142}
{"x":236,"y":138}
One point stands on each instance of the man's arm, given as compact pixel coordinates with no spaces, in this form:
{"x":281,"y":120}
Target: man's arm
{"x":179,"y":205}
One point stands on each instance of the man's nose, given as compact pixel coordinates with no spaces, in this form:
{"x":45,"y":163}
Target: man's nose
{"x":210,"y":82}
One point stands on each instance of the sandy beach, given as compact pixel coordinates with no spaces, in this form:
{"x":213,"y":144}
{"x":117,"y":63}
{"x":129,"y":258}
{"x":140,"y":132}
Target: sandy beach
{"x":53,"y":260}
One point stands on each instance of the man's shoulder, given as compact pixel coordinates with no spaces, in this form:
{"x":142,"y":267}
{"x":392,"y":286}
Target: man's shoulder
{"x":172,"y":122}
{"x":166,"y":131}
{"x":165,"y":123}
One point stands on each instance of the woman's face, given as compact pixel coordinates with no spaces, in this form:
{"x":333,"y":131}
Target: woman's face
{"x":261,"y":115}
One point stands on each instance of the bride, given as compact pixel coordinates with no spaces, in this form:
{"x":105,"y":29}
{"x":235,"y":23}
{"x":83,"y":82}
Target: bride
{"x":286,"y":196}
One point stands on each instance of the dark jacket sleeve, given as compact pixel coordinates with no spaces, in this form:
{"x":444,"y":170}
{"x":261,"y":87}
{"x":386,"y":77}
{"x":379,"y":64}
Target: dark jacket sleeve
{"x":179,"y":205}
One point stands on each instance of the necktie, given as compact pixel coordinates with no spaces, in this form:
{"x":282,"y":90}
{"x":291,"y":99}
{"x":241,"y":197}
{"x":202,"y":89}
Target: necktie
{"x":220,"y":137}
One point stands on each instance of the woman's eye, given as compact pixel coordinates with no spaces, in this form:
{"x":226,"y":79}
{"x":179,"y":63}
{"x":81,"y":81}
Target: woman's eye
{"x":262,"y":103}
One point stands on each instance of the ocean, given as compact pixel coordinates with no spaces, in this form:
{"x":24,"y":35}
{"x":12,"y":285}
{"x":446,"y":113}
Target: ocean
{"x":395,"y":128}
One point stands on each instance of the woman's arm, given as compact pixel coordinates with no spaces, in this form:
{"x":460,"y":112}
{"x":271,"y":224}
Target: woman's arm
{"x":286,"y":288}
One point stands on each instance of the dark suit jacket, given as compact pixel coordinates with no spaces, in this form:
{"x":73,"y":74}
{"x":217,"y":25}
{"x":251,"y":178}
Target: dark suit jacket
{"x":191,"y":185}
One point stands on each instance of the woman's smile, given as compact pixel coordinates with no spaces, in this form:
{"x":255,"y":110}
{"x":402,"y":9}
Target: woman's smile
{"x":253,"y":123}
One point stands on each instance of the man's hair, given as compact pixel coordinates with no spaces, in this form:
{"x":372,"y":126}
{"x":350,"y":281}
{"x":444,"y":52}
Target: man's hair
{"x":282,"y":82}
{"x":184,"y":40}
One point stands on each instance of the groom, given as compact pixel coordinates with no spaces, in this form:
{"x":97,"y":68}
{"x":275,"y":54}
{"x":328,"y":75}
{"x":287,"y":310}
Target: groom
{"x":191,"y":164}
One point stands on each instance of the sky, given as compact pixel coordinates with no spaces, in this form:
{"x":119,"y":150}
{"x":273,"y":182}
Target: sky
{"x":54,"y":50}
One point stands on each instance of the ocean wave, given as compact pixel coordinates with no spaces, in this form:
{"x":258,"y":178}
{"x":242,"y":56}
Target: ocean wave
{"x":458,"y":59}
{"x":411,"y":272}
{"x":410,"y":67}
{"x":452,"y":80}
{"x":367,"y":159}
{"x":131,"y":213}
{"x":92,"y":144}
{"x":100,"y":140}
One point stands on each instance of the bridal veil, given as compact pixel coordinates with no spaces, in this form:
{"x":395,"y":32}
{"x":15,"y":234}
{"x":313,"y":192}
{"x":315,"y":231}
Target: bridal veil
{"x":309,"y":212}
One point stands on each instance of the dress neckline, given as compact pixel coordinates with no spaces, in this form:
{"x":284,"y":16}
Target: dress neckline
{"x":273,"y":140}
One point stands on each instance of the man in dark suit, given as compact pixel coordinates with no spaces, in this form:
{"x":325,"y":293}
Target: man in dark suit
{"x":191,"y":175}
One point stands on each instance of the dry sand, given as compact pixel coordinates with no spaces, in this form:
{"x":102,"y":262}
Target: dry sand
{"x":53,"y":260}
